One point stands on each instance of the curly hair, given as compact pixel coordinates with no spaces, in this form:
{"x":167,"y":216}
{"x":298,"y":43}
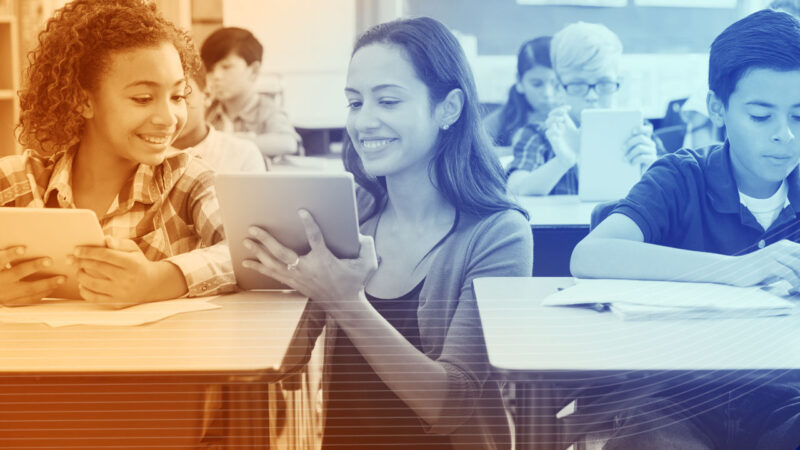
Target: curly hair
{"x":72,"y":55}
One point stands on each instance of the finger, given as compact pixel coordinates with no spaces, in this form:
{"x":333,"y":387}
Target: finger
{"x":787,"y":272}
{"x":270,"y":269}
{"x":11,"y":254}
{"x":99,"y":269}
{"x":644,"y":129}
{"x":117,"y":258}
{"x":275,"y":248}
{"x":313,"y":232}
{"x":98,"y":285}
{"x":27,"y":268}
{"x":33,"y":291}
{"x":125,"y":245}
{"x":94,"y":297}
{"x":640,"y":148}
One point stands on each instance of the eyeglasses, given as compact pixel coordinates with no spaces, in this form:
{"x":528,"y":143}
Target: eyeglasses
{"x":602,"y":88}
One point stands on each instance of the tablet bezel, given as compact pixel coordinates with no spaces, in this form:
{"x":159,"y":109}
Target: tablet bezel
{"x":271,"y":200}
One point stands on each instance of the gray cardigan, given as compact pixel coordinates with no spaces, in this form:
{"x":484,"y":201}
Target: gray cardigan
{"x":449,"y":325}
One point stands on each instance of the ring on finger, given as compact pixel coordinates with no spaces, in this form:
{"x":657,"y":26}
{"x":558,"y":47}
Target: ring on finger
{"x":293,"y":266}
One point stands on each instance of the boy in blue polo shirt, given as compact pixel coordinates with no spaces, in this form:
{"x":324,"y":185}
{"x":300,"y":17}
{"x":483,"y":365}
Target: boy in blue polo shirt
{"x":724,"y":214}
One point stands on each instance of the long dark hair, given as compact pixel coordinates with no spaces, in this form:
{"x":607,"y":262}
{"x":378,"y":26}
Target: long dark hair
{"x":464,"y":169}
{"x":514,"y":112}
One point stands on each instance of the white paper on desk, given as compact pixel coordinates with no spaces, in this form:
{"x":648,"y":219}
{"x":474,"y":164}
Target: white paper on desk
{"x":60,"y":313}
{"x":668,"y":299}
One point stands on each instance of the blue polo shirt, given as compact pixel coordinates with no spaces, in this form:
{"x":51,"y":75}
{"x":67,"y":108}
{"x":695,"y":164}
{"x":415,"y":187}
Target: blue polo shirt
{"x":689,"y":200}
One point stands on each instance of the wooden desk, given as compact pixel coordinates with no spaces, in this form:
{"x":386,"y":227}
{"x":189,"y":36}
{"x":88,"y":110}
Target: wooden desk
{"x":150,"y":386}
{"x":562,"y":347}
{"x":558,"y":223}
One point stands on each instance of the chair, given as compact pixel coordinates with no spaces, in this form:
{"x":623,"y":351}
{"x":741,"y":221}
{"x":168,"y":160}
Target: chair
{"x":672,"y":136}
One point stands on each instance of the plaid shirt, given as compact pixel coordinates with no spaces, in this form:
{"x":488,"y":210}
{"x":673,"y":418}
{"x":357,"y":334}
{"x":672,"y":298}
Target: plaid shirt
{"x":169,"y":210}
{"x":532,"y":149}
{"x":261,"y":115}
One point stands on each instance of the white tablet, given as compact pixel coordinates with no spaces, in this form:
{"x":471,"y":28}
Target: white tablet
{"x":52,"y":232}
{"x":603,"y":172}
{"x":271,"y":201}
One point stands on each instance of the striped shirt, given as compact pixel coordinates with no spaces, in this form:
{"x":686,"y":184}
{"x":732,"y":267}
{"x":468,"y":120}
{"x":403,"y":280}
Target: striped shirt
{"x":532,"y":149}
{"x":170,"y":211}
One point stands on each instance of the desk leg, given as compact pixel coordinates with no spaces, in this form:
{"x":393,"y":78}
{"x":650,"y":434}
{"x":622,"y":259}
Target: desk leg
{"x":535,"y":423}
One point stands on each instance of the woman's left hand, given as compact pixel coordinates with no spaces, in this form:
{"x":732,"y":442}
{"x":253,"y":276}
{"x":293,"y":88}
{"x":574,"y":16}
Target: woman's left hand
{"x":320,"y":275}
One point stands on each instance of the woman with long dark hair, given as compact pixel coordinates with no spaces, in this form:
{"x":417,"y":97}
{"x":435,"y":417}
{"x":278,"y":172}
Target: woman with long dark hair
{"x":407,"y":363}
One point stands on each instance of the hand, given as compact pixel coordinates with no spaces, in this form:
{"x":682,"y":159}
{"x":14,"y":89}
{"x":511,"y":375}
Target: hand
{"x":118,"y":275}
{"x":14,"y":291}
{"x":779,"y":261}
{"x":640,"y":149}
{"x":332,"y":282}
{"x":563,"y":135}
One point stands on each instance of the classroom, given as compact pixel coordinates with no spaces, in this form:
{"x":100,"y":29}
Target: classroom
{"x":366,"y":224}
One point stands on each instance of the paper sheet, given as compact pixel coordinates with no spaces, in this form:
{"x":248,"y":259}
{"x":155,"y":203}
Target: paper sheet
{"x":654,"y":299}
{"x":60,"y":313}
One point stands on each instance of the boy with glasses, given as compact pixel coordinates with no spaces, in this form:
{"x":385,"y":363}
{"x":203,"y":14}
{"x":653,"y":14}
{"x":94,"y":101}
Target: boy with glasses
{"x":586,"y":59}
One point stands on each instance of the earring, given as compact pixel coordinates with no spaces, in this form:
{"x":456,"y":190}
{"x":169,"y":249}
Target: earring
{"x":445,"y":126}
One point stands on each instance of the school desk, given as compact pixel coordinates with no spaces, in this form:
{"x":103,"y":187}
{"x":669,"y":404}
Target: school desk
{"x":190,"y":381}
{"x":558,"y":223}
{"x":547,"y":350}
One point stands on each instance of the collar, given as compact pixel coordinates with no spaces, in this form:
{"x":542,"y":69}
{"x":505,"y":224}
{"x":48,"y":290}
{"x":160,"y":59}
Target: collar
{"x":60,"y":183}
{"x":721,"y":186}
{"x":247,"y":113}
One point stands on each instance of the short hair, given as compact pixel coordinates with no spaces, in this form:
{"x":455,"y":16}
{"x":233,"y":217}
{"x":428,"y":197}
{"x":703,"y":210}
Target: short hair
{"x":788,"y":6}
{"x":585,"y":46}
{"x":766,"y":39}
{"x":71,"y":57}
{"x":225,"y":41}
{"x":464,"y":168}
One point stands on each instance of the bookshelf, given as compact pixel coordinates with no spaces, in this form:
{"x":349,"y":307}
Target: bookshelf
{"x":9,"y":83}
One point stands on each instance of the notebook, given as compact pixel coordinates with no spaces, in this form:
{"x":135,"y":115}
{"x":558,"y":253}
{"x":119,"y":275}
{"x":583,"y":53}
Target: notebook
{"x":649,"y":300}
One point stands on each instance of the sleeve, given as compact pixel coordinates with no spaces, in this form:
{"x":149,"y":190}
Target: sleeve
{"x":655,"y":202}
{"x":275,"y":120}
{"x":18,"y":180}
{"x":530,"y":147}
{"x":502,"y":248}
{"x":252,"y":161}
{"x":208,"y":270}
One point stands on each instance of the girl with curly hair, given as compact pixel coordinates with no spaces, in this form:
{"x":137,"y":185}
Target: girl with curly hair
{"x":103,"y":100}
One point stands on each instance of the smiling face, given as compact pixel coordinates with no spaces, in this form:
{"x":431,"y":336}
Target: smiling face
{"x":138,"y":107}
{"x":539,"y":85}
{"x":763,"y":123}
{"x":591,"y":99}
{"x":391,"y":122}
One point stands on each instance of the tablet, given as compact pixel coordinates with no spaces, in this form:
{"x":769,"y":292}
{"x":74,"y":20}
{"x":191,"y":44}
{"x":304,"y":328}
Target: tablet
{"x":52,"y":232}
{"x":271,"y":201}
{"x":603,"y":172}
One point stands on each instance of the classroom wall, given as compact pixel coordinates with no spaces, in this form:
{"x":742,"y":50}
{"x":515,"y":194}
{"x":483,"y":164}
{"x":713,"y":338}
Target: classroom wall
{"x":501,"y":25}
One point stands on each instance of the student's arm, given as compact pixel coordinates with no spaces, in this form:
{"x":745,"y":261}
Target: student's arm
{"x":539,"y":181}
{"x":208,"y":270}
{"x":616,"y":249}
{"x":275,"y":134}
{"x":529,"y":174}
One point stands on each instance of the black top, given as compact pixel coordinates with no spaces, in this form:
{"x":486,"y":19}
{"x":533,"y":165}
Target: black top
{"x":362,"y":411}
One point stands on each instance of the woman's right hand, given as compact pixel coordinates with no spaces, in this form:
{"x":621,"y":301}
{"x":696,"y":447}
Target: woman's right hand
{"x":14,"y":291}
